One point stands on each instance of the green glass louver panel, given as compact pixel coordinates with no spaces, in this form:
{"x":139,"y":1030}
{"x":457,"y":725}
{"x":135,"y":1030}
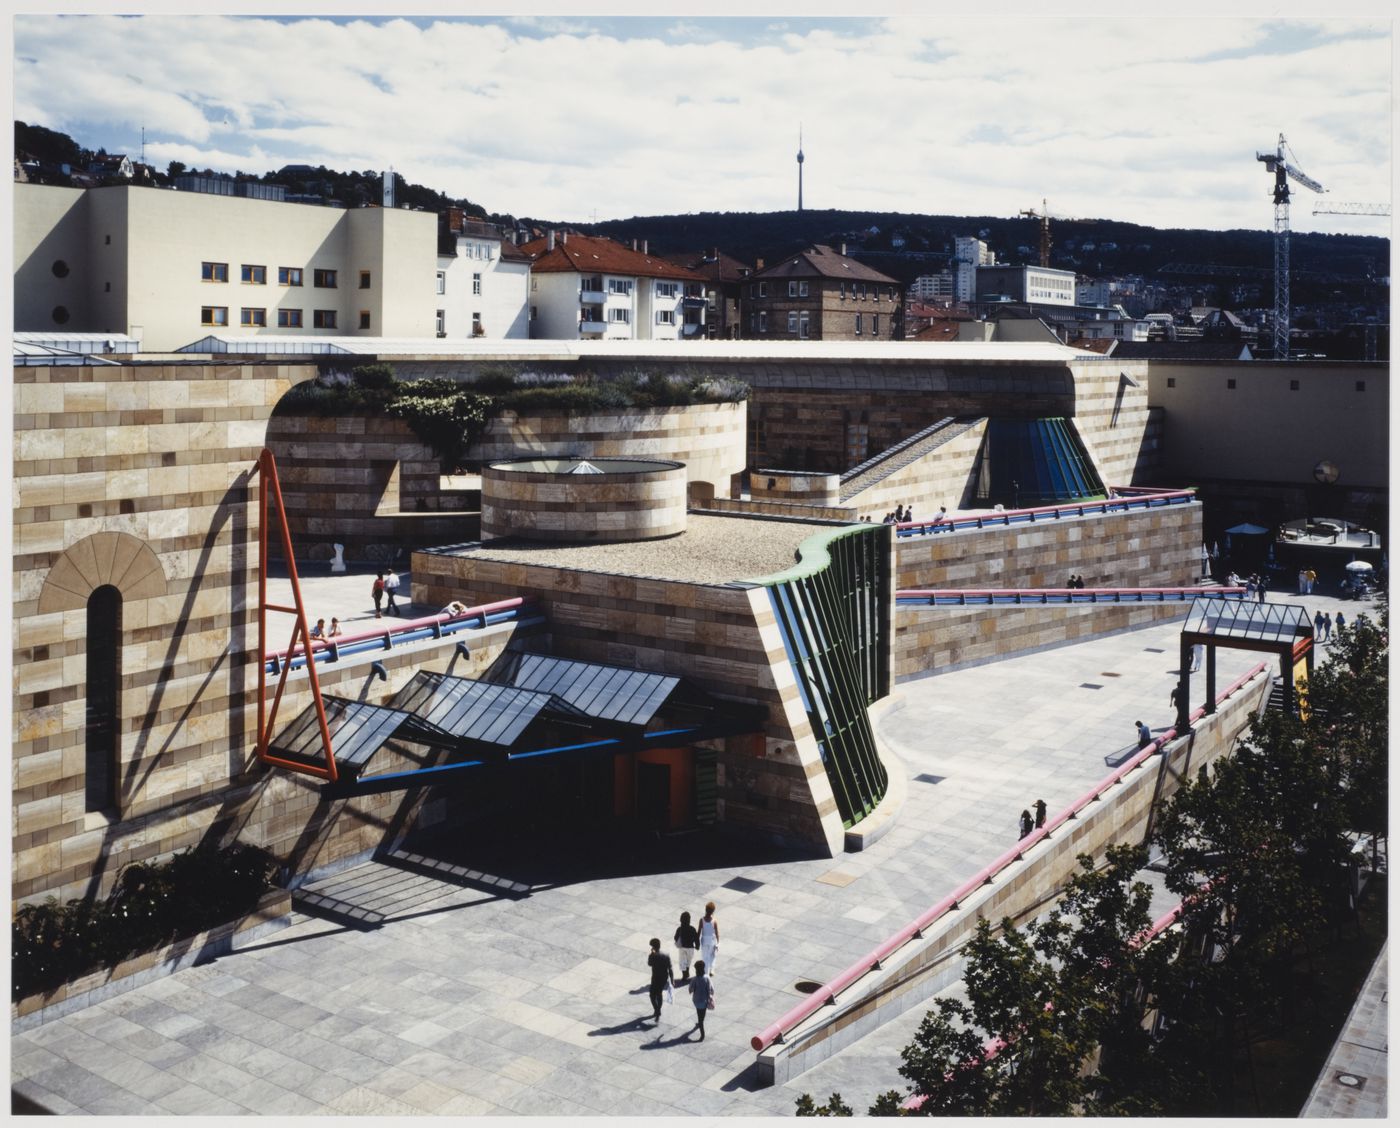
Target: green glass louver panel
{"x":1030,"y":462}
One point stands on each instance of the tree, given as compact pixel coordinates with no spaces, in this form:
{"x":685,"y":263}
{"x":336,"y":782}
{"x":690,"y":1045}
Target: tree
{"x":175,"y":169}
{"x":834,"y":1106}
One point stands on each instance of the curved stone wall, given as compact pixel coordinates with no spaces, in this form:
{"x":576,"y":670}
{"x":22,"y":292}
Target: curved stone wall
{"x":617,"y":499}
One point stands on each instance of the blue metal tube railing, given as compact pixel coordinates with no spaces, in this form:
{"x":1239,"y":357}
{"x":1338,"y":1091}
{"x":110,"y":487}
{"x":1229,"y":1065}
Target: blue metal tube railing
{"x":1131,"y":499}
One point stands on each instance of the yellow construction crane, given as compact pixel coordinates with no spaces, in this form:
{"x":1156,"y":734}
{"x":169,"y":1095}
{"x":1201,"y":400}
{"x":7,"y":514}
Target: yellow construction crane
{"x":1044,"y":217}
{"x":1277,"y":163}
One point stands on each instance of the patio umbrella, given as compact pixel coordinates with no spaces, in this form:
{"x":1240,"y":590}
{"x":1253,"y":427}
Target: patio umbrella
{"x":1358,"y":566}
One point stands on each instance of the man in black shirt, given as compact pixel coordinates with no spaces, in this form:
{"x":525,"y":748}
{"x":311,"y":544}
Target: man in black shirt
{"x":661,"y":977}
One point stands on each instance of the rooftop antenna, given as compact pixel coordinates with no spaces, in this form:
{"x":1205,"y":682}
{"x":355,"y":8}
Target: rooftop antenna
{"x":143,"y":144}
{"x":800,"y":159}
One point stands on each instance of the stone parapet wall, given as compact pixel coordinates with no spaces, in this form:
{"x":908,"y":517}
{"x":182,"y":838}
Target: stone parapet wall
{"x":942,"y":477}
{"x":938,"y":640}
{"x":724,"y":639}
{"x":709,"y":438}
{"x":1136,"y":548}
{"x":1120,"y":432}
{"x":779,"y":509}
{"x":795,"y":486}
{"x":631,"y":499}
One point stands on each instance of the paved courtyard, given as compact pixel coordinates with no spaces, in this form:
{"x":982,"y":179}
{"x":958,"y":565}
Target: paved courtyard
{"x":474,"y":999}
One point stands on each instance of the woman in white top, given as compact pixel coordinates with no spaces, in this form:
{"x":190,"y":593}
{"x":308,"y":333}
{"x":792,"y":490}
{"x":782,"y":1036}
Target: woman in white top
{"x":709,"y":936}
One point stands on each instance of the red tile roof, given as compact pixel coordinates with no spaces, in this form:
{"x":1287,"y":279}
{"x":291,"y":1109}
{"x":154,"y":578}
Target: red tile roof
{"x":588,"y":254}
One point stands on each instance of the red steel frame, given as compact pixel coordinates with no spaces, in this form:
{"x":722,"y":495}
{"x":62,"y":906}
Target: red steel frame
{"x":267,"y":480}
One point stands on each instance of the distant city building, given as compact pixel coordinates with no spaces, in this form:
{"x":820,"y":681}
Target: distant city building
{"x":822,"y":295}
{"x":1036,"y":285}
{"x":221,"y":184}
{"x":932,"y":287}
{"x":724,"y":283}
{"x":584,"y":287}
{"x":969,"y":253}
{"x":172,"y":267}
{"x":482,"y":282}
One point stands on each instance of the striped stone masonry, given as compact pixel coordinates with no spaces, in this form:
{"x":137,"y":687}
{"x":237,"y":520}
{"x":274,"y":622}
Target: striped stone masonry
{"x":543,"y":499}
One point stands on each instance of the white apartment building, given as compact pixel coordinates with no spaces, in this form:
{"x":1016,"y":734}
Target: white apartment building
{"x":482,"y":284}
{"x":968,"y":255}
{"x":588,"y":288}
{"x":169,"y":267}
{"x":932,"y":287}
{"x":1036,"y":285}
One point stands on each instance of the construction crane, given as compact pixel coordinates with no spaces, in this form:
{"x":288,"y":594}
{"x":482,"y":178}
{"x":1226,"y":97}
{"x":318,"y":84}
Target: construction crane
{"x":1351,"y":209}
{"x":1277,"y":163}
{"x":1044,"y":217}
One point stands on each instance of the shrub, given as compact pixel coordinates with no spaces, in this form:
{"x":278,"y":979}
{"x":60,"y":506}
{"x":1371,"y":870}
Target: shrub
{"x":150,"y":905}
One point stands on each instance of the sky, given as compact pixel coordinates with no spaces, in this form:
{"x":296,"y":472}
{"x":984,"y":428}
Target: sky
{"x":576,"y":118}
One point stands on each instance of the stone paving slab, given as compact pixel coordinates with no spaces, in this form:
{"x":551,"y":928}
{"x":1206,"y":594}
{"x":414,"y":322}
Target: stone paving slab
{"x":477,"y":1004}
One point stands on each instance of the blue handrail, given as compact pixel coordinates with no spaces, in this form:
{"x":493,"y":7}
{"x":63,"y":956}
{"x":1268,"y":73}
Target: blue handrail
{"x":988,"y":597}
{"x":1045,"y":512}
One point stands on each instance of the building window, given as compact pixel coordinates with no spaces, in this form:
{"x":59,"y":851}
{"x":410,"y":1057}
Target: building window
{"x":665,"y":317}
{"x":253,"y":318}
{"x":843,"y":291}
{"x":874,"y":324}
{"x":667,"y":289}
{"x":254,"y":275}
{"x":534,"y":284}
{"x":103,"y":712}
{"x":792,"y":321}
{"x":364,"y":280}
{"x":619,"y":315}
{"x":1171,"y":381}
{"x":763,"y":289}
{"x":476,"y":283}
{"x":592,"y":285}
{"x":289,"y":276}
{"x":620,"y":286}
{"x":213,"y":315}
{"x":324,"y":278}
{"x":763,"y":321}
{"x":792,"y":289}
{"x":289,"y":319}
{"x":477,"y":330}
{"x":858,"y":325}
{"x":208,"y":271}
{"x":442,"y":323}
{"x":323,"y":318}
{"x":364,"y":319}
{"x":802,"y":324}
{"x":1229,"y":384}
{"x":1361,"y":385}
{"x":1293,"y":385}
{"x":802,"y":290}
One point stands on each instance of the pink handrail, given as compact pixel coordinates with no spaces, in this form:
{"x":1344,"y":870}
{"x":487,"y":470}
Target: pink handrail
{"x":950,"y":592}
{"x":1003,"y":516}
{"x":872,"y":960}
{"x":400,"y":627}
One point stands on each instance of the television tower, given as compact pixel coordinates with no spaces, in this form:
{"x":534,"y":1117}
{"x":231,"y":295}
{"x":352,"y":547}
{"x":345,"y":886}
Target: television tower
{"x":800,"y":159}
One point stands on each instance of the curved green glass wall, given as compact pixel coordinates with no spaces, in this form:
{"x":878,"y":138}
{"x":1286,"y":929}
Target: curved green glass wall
{"x":833,"y":611}
{"x":1029,"y":462}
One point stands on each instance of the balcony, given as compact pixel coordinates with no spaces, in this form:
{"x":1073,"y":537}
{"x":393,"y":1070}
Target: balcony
{"x":592,"y":297}
{"x":592,"y":328}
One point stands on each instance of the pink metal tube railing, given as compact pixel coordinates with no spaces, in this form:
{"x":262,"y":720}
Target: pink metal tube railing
{"x":872,"y":960}
{"x":1124,"y":495}
{"x":402,"y":627}
{"x":1084,"y":593}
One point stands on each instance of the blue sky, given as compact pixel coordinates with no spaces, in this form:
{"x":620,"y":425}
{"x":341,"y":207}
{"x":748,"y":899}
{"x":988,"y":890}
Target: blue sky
{"x":561,"y":116}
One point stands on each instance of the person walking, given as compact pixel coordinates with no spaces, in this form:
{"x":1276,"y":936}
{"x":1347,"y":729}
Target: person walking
{"x":1317,"y":626}
{"x":1144,"y":735}
{"x":1039,"y":813}
{"x":1327,"y":627}
{"x":702,"y":994}
{"x":377,"y":591}
{"x":661,"y":976}
{"x":1027,"y":823}
{"x":709,"y":938}
{"x":1341,"y":624}
{"x":391,"y":585}
{"x":686,"y":940}
{"x":1302,"y":582}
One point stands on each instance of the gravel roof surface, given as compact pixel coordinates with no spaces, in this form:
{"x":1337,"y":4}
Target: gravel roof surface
{"x":712,"y":550}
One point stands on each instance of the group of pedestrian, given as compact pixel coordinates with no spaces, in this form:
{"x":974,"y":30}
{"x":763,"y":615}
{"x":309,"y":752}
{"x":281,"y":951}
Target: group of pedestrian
{"x":1075,"y":583}
{"x":386,"y":583}
{"x":1306,"y":578}
{"x":1322,"y":625}
{"x":688,"y":938}
{"x":1028,"y":823}
{"x":321,"y":631}
{"x":899,"y":516}
{"x":1255,"y":587}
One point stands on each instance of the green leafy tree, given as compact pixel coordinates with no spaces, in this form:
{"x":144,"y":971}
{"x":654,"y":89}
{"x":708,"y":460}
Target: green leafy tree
{"x":834,"y":1106}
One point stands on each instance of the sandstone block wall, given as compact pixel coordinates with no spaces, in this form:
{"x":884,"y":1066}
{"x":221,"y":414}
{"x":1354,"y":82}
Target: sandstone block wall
{"x":632,"y":499}
{"x":785,"y":485}
{"x":723,"y":639}
{"x":364,"y":481}
{"x":1120,"y":431}
{"x":1137,"y":548}
{"x":942,"y":477}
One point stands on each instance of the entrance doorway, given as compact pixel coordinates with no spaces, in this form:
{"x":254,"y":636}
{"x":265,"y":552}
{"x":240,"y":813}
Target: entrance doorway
{"x":653,"y":795}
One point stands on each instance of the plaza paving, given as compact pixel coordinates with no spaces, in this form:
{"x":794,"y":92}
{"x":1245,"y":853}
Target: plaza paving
{"x":473,"y":999}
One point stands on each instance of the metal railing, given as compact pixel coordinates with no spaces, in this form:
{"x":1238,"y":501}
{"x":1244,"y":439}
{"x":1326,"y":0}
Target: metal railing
{"x":983,"y":597}
{"x":1124,"y":499}
{"x":873,"y":960}
{"x":387,"y":637}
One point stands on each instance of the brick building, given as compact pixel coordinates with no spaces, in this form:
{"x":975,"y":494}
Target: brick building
{"x":822,"y":295}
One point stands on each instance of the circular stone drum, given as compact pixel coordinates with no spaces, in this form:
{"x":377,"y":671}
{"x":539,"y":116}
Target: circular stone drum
{"x":583,"y":500}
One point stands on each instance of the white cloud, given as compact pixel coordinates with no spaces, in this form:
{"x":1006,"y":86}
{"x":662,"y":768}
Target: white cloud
{"x":1149,"y":120}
